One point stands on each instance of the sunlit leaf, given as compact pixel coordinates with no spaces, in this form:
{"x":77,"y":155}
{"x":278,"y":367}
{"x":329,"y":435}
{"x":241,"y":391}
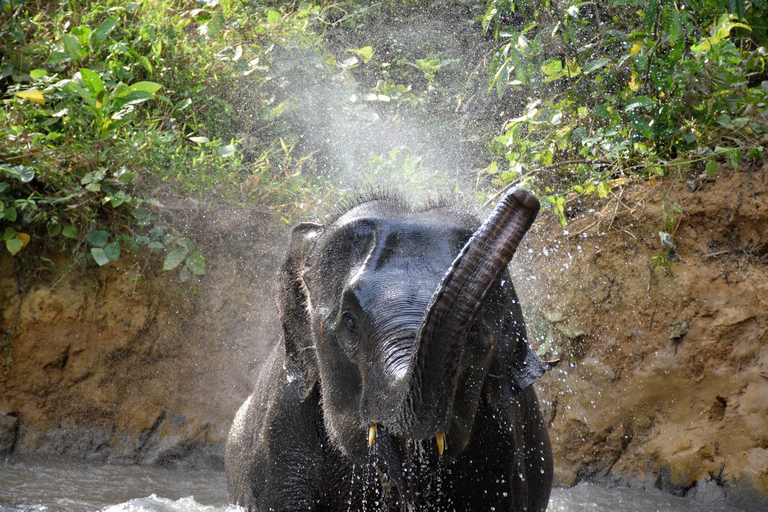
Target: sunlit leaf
{"x":150,"y":87}
{"x":98,"y":256}
{"x":552,"y":67}
{"x":366,"y":52}
{"x":14,"y":245}
{"x":91,"y":80}
{"x":33,"y":95}
{"x":273,"y":16}
{"x":226,"y":151}
{"x":24,"y":173}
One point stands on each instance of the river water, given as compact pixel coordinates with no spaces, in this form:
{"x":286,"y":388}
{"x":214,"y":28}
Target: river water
{"x":27,"y":486}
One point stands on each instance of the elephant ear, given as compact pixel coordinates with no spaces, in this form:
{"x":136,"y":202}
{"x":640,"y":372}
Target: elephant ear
{"x":290,"y":295}
{"x":515,"y":365}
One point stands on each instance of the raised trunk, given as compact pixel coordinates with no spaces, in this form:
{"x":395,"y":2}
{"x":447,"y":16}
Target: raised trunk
{"x":433,"y":376}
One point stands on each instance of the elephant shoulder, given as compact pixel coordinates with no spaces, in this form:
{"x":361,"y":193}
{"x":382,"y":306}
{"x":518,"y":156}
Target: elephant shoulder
{"x":267,"y":438}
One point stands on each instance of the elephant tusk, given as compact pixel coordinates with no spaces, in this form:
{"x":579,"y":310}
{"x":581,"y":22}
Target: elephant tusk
{"x":440,"y":437}
{"x":371,"y":434}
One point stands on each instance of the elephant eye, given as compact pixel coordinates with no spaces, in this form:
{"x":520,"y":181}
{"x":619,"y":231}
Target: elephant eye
{"x":348,"y":319}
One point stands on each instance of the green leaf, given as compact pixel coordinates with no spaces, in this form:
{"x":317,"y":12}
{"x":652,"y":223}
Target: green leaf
{"x":38,"y":73}
{"x":651,"y":12}
{"x":156,"y":232}
{"x":639,"y":102}
{"x":552,"y":67}
{"x":98,"y":238}
{"x":57,"y":58}
{"x":112,"y":251}
{"x":594,"y":65}
{"x":184,"y":274}
{"x":10,"y":214}
{"x":24,"y":173}
{"x":91,"y":80}
{"x":366,"y":52}
{"x":156,"y":245}
{"x":102,"y":31}
{"x":14,"y":245}
{"x":226,"y":151}
{"x":273,"y":16}
{"x":150,"y":87}
{"x":196,"y":263}
{"x":9,"y":233}
{"x":142,"y":240}
{"x":54,"y":229}
{"x":132,"y":98}
{"x":99,"y":256}
{"x":69,"y":231}
{"x":174,"y":258}
{"x":71,"y":46}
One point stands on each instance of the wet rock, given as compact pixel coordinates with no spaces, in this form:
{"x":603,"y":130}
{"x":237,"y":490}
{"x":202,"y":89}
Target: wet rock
{"x":9,"y":429}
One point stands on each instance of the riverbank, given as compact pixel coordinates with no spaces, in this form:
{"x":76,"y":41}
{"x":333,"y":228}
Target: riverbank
{"x":122,"y":364}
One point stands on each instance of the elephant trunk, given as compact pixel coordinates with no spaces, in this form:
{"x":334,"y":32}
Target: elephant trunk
{"x":428,"y":399}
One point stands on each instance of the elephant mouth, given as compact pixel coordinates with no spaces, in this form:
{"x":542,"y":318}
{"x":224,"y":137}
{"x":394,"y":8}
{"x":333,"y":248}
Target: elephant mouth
{"x":405,"y":464}
{"x":402,"y":441}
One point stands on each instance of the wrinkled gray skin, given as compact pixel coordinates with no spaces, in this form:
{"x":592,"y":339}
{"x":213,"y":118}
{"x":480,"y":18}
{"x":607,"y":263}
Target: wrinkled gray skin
{"x":405,"y":320}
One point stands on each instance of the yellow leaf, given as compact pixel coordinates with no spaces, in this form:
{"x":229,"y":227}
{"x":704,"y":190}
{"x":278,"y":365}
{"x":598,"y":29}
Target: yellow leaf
{"x":636,"y":47}
{"x":24,"y":238}
{"x":633,"y":82}
{"x":618,"y":182}
{"x":33,"y":95}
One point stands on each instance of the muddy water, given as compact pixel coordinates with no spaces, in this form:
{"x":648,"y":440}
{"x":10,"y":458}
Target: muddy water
{"x":30,"y":486}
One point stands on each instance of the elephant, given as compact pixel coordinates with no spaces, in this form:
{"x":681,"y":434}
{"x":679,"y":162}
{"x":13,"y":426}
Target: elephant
{"x":403,"y":378}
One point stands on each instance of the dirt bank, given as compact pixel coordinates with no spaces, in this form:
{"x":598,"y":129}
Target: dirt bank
{"x":664,"y":373}
{"x":123,"y":364}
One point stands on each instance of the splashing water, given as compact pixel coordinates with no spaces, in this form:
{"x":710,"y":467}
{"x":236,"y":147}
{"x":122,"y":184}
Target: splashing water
{"x":45,"y":486}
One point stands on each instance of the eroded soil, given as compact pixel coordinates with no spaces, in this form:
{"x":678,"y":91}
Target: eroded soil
{"x":636,"y":398}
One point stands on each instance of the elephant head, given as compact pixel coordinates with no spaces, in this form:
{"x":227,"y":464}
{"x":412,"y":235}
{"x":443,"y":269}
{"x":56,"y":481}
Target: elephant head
{"x":407,"y":322}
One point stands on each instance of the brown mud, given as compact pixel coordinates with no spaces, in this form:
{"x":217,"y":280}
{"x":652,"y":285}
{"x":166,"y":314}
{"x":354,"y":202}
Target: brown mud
{"x":123,"y":364}
{"x":637,"y":399}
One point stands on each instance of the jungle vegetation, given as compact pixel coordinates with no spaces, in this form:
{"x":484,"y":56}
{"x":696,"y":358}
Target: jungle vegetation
{"x":112,"y":108}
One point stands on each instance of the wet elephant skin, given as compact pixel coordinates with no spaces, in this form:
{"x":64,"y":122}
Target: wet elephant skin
{"x":402,"y":338}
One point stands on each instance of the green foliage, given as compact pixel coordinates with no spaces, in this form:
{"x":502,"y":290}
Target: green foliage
{"x":642,"y":85}
{"x":94,"y":99}
{"x":107,"y":105}
{"x":556,"y":340}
